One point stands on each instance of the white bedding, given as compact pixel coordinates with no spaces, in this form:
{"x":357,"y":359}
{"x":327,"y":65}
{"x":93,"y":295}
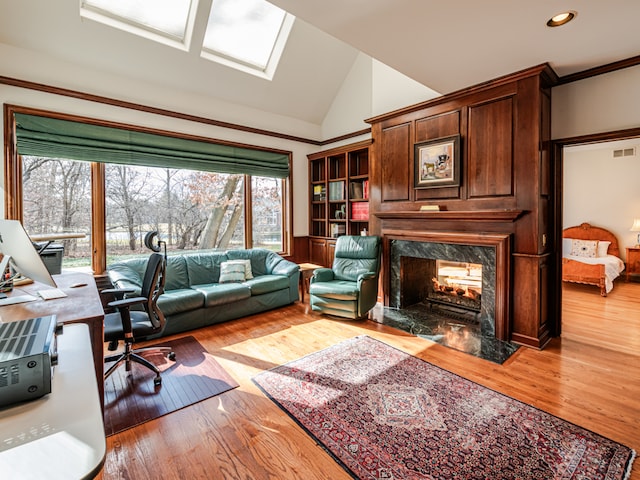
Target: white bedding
{"x":613,"y":266}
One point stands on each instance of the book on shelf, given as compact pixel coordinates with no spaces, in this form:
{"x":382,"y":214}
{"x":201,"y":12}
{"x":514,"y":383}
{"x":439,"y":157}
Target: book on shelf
{"x":338,"y":229}
{"x":319,"y":193}
{"x":355,"y":191}
{"x":336,"y":190}
{"x":360,"y":211}
{"x":359,"y":190}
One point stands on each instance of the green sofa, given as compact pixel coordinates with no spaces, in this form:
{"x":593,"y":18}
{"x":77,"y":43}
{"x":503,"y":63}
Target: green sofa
{"x":194,"y":297}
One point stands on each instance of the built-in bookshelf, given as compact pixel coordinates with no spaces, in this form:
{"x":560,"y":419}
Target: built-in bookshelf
{"x":339,"y":191}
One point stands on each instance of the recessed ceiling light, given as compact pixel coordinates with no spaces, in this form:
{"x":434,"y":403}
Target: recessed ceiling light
{"x":561,"y":18}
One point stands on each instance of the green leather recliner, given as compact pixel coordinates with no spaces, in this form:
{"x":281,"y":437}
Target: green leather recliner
{"x":350,"y":288}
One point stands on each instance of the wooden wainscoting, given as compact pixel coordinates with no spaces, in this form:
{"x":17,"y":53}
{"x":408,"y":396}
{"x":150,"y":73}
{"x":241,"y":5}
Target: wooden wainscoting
{"x":589,"y":376}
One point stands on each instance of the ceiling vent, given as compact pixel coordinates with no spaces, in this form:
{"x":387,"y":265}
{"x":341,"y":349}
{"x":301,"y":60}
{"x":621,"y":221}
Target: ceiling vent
{"x":625,"y":152}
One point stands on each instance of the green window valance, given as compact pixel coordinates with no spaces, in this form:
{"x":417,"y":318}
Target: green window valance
{"x":55,"y":138}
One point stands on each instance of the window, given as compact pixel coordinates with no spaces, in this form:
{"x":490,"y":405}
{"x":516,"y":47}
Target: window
{"x":248,"y":35}
{"x":267,"y":213}
{"x":190,"y":209}
{"x":101,"y":211}
{"x":57,"y":206}
{"x":167,"y":21}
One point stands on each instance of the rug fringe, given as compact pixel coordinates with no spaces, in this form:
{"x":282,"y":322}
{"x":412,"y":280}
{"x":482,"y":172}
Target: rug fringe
{"x":627,"y":473}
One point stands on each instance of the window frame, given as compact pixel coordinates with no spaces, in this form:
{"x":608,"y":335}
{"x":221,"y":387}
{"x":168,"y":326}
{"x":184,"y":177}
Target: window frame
{"x":13,"y":198}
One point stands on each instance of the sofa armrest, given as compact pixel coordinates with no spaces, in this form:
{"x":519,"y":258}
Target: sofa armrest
{"x":285,"y":267}
{"x":322,"y":275}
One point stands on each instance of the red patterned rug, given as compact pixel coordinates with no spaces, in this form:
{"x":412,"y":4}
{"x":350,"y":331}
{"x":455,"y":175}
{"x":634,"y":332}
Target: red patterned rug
{"x":384,"y":414}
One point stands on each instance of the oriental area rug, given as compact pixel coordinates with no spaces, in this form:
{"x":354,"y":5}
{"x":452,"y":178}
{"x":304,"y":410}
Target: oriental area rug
{"x":384,"y":414}
{"x":130,"y":398}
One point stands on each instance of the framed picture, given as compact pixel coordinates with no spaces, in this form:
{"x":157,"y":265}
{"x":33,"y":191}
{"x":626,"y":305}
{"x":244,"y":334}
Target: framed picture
{"x":437,"y":163}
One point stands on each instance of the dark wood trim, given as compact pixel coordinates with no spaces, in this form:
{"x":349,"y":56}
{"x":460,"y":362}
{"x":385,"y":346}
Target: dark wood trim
{"x":364,"y":131}
{"x":14,"y":82}
{"x":341,"y":149}
{"x":599,"y":137}
{"x":467,"y":216}
{"x":602,"y":69}
{"x":546,"y":73}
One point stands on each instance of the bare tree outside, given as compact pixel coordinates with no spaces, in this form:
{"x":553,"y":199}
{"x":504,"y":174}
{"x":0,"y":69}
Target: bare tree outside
{"x":190,"y":209}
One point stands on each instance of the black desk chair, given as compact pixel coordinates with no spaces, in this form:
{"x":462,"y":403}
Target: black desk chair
{"x":128,"y":325}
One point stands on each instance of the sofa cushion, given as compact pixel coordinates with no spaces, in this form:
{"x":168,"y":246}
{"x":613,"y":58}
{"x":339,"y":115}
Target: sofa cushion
{"x":337,"y":289}
{"x":267,"y":283}
{"x":203,"y":267}
{"x":221,"y":293}
{"x":177,"y":276}
{"x":257,"y":256}
{"x":180,"y":300}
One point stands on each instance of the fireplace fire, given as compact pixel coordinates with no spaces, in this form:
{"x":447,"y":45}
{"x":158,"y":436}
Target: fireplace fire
{"x":456,"y":283}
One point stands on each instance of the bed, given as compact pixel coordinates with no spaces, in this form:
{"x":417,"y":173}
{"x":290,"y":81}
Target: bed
{"x":591,"y":255}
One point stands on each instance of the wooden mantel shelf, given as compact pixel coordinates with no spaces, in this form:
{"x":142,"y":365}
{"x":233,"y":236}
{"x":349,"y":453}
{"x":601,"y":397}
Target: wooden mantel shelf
{"x":465,"y":215}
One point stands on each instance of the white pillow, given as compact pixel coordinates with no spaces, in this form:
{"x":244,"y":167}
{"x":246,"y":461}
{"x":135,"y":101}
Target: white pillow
{"x":584,"y":248}
{"x":603,"y":247}
{"x":231,"y":272}
{"x":246,"y":263}
{"x":566,"y":246}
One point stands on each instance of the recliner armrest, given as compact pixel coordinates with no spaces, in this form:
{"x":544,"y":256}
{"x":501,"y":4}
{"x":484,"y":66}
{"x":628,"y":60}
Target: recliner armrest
{"x":322,"y":275}
{"x":366,"y":276}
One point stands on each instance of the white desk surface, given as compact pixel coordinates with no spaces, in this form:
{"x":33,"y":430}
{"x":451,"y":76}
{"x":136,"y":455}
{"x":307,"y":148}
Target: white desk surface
{"x":60,"y":435}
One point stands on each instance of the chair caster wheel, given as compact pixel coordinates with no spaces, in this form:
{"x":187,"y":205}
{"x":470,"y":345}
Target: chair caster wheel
{"x":157,"y":381}
{"x":171,"y":356}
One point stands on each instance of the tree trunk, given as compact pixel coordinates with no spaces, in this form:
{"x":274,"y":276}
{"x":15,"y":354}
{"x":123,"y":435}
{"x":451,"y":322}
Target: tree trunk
{"x":211,"y":230}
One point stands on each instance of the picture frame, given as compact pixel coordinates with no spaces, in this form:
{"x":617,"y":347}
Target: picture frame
{"x":437,"y":163}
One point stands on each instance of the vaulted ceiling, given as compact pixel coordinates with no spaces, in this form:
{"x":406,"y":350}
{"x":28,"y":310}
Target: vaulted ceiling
{"x":445,"y":45}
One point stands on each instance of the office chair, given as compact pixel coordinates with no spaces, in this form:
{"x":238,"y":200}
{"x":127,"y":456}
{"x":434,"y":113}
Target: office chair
{"x":127,"y":325}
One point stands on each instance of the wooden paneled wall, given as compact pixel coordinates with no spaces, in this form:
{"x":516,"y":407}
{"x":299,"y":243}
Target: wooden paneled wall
{"x":504,"y":127}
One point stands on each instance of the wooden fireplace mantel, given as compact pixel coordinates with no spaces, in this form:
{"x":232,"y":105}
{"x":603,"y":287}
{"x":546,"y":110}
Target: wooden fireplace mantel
{"x":463,"y":215}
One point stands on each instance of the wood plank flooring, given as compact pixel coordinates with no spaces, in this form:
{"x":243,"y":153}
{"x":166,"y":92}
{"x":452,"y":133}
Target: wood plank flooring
{"x":589,"y":376}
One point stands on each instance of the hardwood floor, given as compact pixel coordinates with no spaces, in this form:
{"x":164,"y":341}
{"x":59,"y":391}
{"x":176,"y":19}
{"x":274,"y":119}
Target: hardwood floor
{"x":589,"y":376}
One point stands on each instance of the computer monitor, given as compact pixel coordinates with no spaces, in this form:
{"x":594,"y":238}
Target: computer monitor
{"x":17,"y":249}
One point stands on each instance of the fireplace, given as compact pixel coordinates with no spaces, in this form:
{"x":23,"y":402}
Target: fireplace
{"x":455,"y":284}
{"x":468,"y":273}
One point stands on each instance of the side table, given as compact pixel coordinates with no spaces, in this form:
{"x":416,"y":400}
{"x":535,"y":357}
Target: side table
{"x":633,"y":261}
{"x":306,"y":270}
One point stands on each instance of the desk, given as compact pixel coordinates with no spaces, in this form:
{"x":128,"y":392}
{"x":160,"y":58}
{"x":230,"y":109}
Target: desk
{"x":81,"y":305}
{"x":61,"y":435}
{"x":306,"y":271}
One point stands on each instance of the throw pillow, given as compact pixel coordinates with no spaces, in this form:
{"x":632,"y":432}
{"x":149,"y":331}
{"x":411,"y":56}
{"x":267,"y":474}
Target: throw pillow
{"x":603,"y":247}
{"x":246,"y":263}
{"x":584,"y":248}
{"x":231,"y":272}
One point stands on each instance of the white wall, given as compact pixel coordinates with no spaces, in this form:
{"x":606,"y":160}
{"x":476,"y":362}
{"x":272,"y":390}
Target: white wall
{"x":598,"y":104}
{"x":371,"y":88}
{"x":602,"y":190}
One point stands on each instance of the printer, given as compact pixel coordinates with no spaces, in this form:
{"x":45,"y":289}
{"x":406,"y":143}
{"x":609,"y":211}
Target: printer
{"x":28,"y":355}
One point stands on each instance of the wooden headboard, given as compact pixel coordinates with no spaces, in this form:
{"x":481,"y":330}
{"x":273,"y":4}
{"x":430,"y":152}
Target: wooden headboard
{"x":585,"y":231}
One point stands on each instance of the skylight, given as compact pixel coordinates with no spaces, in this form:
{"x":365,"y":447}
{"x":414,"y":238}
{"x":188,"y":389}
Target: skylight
{"x":248,"y":35}
{"x":244,"y":30}
{"x":169,"y":18}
